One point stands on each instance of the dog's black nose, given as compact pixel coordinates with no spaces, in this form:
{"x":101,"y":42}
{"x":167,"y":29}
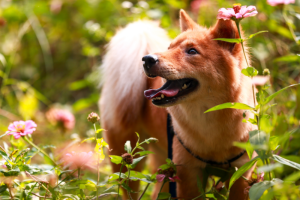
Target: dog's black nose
{"x":149,"y":61}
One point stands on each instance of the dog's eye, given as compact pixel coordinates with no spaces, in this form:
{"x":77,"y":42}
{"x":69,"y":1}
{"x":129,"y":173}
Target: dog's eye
{"x":192,"y":51}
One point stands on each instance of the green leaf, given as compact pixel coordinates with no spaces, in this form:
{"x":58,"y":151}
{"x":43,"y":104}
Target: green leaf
{"x":127,"y":146}
{"x":273,"y":142}
{"x":142,"y":153}
{"x":88,"y":139}
{"x":268,"y":168}
{"x":250,"y":71}
{"x":136,"y":161}
{"x":3,"y":188}
{"x":293,"y":177}
{"x":268,"y":99}
{"x":257,"y":190}
{"x":252,"y":35}
{"x":247,"y":146}
{"x":163,"y":195}
{"x":258,"y":139}
{"x":199,"y":185}
{"x":242,"y":170}
{"x":286,"y":162}
{"x":240,"y":106}
{"x":288,"y":58}
{"x":231,"y":40}
{"x":116,"y":159}
{"x":116,"y":176}
{"x":211,"y":196}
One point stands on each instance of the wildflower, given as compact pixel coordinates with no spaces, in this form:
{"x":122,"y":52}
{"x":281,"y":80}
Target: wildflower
{"x":66,"y":118}
{"x":75,"y":160}
{"x":127,"y":158}
{"x":260,"y":80}
{"x":167,"y":175}
{"x":279,"y":2}
{"x":93,"y":117}
{"x":21,"y":128}
{"x":238,"y":12}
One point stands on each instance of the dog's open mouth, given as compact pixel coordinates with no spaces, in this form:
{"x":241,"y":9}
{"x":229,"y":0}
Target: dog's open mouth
{"x":171,"y":91}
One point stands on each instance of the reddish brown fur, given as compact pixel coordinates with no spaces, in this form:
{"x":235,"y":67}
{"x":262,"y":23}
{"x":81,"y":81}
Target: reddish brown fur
{"x":211,"y":135}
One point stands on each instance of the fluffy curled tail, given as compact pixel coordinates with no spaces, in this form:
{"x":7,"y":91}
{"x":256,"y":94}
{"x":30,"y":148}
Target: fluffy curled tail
{"x":124,"y":81}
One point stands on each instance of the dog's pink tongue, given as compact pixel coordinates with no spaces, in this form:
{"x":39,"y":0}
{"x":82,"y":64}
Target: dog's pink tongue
{"x":169,"y":92}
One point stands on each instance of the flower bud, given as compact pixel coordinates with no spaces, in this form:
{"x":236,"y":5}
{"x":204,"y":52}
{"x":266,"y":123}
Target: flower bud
{"x":127,"y":158}
{"x":93,"y":117}
{"x":266,"y":72}
{"x":154,"y":140}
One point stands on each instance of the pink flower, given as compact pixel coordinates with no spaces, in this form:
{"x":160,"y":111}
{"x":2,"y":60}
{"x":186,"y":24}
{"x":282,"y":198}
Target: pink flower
{"x":161,"y":178}
{"x":65,"y":117}
{"x":21,"y":128}
{"x":260,"y":80}
{"x":279,"y":2}
{"x":75,"y":160}
{"x":237,"y":12}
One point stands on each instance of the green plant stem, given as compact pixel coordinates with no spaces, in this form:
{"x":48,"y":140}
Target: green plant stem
{"x":98,"y":174}
{"x":288,"y":24}
{"x":43,"y":152}
{"x":242,"y":43}
{"x":128,"y":192}
{"x":119,"y":180}
{"x":267,"y":162}
{"x":144,"y":191}
{"x":160,"y":189}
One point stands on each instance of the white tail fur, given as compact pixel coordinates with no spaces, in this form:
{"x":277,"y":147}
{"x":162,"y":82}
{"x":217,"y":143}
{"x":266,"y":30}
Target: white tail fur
{"x":122,"y":69}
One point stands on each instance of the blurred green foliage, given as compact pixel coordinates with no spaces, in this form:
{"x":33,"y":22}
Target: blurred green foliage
{"x":50,"y":51}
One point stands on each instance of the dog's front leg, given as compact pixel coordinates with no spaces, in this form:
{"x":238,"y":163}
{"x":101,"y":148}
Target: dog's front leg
{"x":188,"y":169}
{"x":237,"y":191}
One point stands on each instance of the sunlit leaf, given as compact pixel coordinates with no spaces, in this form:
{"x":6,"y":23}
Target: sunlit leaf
{"x":286,"y":162}
{"x":231,"y":40}
{"x":240,"y":106}
{"x":268,"y":99}
{"x":257,"y":190}
{"x":116,"y":159}
{"x":250,"y":72}
{"x":136,"y":161}
{"x":268,"y":168}
{"x":142,"y":153}
{"x":241,"y":171}
{"x":255,"y":34}
{"x":163,"y":195}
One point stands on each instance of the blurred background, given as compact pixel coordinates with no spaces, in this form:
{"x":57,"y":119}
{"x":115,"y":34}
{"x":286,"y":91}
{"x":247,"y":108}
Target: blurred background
{"x":51,"y":51}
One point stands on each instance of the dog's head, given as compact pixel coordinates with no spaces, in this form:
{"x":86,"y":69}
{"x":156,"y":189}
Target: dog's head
{"x":196,"y":66}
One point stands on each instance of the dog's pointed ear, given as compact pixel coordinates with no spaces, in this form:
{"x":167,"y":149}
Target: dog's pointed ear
{"x":225,"y":29}
{"x":185,"y":21}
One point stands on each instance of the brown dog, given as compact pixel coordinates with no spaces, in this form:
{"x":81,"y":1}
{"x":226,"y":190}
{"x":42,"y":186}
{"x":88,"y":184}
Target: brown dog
{"x":193,"y":75}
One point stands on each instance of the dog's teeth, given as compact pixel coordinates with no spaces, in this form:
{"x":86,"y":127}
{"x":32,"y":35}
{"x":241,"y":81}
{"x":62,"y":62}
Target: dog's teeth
{"x":162,"y":96}
{"x":184,"y":86}
{"x":158,"y":98}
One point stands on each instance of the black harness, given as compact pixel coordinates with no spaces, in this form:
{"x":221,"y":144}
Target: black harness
{"x":170,"y":134}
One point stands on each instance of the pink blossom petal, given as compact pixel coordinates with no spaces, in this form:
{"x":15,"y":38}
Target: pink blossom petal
{"x":260,"y":80}
{"x":173,"y":179}
{"x":160,"y":177}
{"x":30,"y":124}
{"x":243,"y":10}
{"x":238,"y":15}
{"x":250,"y":14}
{"x":250,"y":9}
